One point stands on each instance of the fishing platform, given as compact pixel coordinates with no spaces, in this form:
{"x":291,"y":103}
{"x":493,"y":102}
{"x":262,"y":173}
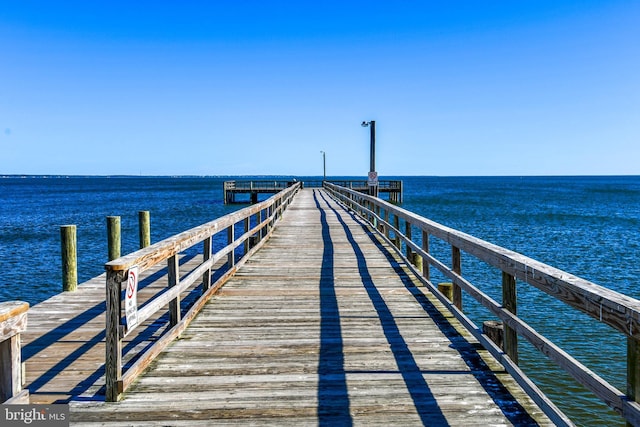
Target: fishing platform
{"x":253,"y":188}
{"x":314,"y":307}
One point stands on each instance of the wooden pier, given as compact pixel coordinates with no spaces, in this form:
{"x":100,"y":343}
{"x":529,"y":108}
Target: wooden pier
{"x":251,"y":189}
{"x":306,"y":310}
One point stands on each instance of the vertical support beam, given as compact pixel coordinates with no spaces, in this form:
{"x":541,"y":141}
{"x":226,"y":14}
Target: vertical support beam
{"x":230,"y":239}
{"x":13,"y":321}
{"x":173,"y":276}
{"x":113,"y":237}
{"x":113,"y":342}
{"x":144,"y":227}
{"x":69,"y":257}
{"x":456,"y":262}
{"x":633,"y":369}
{"x":144,"y":224}
{"x":447,"y":289}
{"x":396,"y":225}
{"x":386,"y":220}
{"x":510,"y":302}
{"x":247,"y":226}
{"x":373,"y":190}
{"x":206,"y":255}
{"x":426,"y":267}
{"x":407,"y":232}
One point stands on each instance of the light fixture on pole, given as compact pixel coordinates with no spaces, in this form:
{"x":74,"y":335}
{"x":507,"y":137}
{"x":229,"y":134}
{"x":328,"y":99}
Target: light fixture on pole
{"x":373,"y":175}
{"x":324,"y":165}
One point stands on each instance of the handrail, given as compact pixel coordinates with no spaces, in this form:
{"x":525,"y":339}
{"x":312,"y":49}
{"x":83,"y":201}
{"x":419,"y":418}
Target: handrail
{"x":13,"y":321}
{"x":607,"y":306}
{"x":266,"y":213}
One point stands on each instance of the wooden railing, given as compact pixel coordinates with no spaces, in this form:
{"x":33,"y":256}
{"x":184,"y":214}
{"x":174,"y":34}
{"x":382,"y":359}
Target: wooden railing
{"x":13,"y":321}
{"x":619,"y":311}
{"x":168,"y":251}
{"x":255,"y":185}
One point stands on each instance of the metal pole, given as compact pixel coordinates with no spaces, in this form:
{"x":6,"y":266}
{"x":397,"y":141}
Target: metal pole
{"x":372,"y":162}
{"x":324,"y":165}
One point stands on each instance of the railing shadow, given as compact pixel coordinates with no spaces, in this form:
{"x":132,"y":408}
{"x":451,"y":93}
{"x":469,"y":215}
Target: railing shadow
{"x":507,"y":403}
{"x":421,"y":394}
{"x":333,"y":396}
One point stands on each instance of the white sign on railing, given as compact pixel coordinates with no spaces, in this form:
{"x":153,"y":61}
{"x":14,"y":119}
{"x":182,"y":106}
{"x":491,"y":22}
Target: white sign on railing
{"x":131,"y":298}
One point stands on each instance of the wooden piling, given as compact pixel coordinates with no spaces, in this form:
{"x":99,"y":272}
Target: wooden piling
{"x":417,"y":261}
{"x":113,"y":237}
{"x":144,"y":222}
{"x":447,"y":289}
{"x":69,"y":257}
{"x":495,"y":331}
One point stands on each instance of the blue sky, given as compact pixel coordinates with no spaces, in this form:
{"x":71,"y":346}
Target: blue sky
{"x":257,"y":87}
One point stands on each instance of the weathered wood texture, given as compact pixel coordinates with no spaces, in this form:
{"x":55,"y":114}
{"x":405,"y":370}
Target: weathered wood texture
{"x":64,"y":344}
{"x":13,"y":321}
{"x":323,"y":326}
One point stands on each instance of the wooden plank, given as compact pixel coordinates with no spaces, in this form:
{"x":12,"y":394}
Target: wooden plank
{"x":297,"y":320}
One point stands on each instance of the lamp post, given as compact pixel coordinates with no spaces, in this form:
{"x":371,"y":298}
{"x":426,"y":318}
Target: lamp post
{"x":373,"y":175}
{"x":324,"y":166}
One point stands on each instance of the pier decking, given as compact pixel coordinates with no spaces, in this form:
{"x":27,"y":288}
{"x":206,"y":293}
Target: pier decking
{"x":324,"y":325}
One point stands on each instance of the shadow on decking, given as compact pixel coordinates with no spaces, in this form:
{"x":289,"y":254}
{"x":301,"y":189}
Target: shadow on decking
{"x":411,"y":373}
{"x":333,"y":397}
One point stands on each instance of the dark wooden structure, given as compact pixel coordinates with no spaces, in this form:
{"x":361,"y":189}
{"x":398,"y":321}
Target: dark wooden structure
{"x":251,"y":189}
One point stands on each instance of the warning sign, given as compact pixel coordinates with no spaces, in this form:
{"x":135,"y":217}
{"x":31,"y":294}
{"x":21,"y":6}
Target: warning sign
{"x":131,"y":298}
{"x":373,"y":179}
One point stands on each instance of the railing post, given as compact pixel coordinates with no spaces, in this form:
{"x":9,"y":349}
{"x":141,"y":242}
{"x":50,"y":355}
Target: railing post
{"x":113,"y":237}
{"x":69,"y":257}
{"x":247,"y":226}
{"x":396,"y":237}
{"x":113,"y":342}
{"x":633,"y":369}
{"x":386,"y":220}
{"x":173,"y":277}
{"x":13,"y":321}
{"x":206,"y":256}
{"x":456,"y":262}
{"x":426,"y":267}
{"x":407,"y":232}
{"x":230,"y":239}
{"x":144,"y":229}
{"x":262,"y":231}
{"x":510,"y":303}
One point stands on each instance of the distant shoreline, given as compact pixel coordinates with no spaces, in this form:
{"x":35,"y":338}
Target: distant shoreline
{"x":258,"y":177}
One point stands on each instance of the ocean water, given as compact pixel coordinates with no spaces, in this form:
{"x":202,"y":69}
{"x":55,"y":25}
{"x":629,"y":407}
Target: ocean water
{"x":587,"y":226}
